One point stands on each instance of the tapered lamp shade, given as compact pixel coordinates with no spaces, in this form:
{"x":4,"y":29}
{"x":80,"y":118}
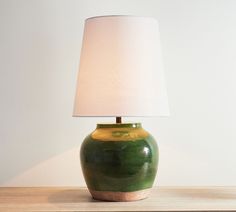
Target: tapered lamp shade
{"x":121,"y":70}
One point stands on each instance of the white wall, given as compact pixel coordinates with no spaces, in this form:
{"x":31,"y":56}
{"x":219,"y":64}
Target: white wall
{"x":40,"y":44}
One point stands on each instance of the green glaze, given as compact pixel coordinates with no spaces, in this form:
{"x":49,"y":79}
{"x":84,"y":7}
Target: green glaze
{"x":119,"y":157}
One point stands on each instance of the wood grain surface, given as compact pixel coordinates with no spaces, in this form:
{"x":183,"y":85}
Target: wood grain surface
{"x":79,"y":199}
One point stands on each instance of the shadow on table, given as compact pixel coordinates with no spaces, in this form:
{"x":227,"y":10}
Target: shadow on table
{"x":71,"y":196}
{"x":207,"y":193}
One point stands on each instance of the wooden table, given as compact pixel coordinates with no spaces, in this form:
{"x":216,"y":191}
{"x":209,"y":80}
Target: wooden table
{"x":78,"y":199}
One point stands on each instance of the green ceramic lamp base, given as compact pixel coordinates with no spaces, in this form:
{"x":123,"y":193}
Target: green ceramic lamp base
{"x":119,"y":162}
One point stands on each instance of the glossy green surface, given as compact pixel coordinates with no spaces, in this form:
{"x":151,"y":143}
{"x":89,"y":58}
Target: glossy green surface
{"x":128,"y":164}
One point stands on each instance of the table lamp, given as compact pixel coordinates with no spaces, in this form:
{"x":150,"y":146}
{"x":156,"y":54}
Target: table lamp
{"x":120,"y":75}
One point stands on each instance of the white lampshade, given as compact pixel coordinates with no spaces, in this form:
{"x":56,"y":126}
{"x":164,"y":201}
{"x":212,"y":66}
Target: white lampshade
{"x":121,"y":70}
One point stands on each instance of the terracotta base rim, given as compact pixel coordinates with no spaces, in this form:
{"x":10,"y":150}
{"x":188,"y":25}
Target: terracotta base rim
{"x":120,"y":196}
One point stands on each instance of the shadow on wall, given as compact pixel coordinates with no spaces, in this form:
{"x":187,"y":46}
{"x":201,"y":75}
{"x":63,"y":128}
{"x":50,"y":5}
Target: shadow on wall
{"x":42,"y":160}
{"x":38,"y":77}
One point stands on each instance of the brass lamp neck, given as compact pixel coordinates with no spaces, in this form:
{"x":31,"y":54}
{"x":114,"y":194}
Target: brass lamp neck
{"x":118,"y":120}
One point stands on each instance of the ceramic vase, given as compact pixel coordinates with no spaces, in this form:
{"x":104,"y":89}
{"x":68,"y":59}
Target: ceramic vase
{"x":119,"y":162}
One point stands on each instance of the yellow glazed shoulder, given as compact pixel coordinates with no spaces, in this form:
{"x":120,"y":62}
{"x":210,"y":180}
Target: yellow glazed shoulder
{"x":119,"y":133}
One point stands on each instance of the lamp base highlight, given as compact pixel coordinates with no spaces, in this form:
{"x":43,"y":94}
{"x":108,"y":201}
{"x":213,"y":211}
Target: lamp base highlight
{"x":120,"y":196}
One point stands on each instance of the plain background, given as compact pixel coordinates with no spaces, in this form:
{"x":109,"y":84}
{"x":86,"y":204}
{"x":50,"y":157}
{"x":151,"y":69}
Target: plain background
{"x":40,"y":45}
